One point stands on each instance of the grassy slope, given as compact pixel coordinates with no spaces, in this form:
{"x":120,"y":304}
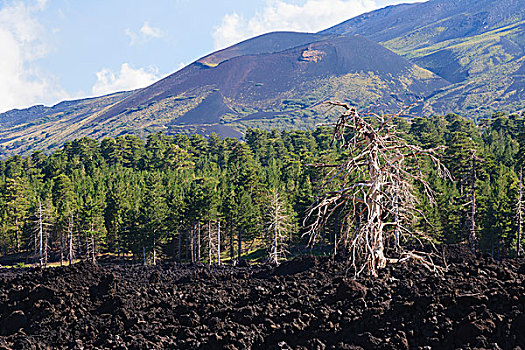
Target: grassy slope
{"x":477,"y":45}
{"x":486,"y":65}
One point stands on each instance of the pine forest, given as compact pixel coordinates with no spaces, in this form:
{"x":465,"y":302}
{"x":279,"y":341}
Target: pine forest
{"x":196,"y":199}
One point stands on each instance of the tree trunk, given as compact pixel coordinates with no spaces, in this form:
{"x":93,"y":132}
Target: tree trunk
{"x":232,"y":254}
{"x":46,"y":239}
{"x":92,"y":238}
{"x":70,"y":236}
{"x":335,"y":242}
{"x":472,"y":235}
{"x":40,"y":233}
{"x":192,"y":243}
{"x":118,"y":241}
{"x":187,"y":246}
{"x":219,"y":243}
{"x":275,"y":231}
{"x":154,"y":248}
{"x":61,"y":247}
{"x":179,"y":248}
{"x":396,"y":221}
{"x":199,"y":243}
{"x":375,"y":212}
{"x":17,"y":236}
{"x":210,"y":243}
{"x":239,"y":244}
{"x":520,"y":214}
{"x":93,"y":253}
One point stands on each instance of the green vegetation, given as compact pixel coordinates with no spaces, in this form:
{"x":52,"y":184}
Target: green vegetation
{"x":482,"y":67}
{"x":159,"y":198}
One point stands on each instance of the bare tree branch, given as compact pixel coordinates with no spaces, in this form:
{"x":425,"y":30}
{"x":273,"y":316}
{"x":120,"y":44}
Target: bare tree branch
{"x":377,"y":181}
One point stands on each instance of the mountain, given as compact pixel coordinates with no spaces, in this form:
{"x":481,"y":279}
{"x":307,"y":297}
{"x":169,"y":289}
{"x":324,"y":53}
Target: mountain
{"x":462,"y":56}
{"x":476,"y":45}
{"x":268,"y":81}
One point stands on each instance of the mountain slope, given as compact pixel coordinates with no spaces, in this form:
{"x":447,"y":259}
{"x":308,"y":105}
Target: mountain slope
{"x":247,"y":85}
{"x":46,"y":128}
{"x":263,"y":44}
{"x":260,"y":80}
{"x":461,"y":56}
{"x":476,"y":45}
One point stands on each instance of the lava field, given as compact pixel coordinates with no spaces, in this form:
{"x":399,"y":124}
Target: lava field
{"x":305,"y":303}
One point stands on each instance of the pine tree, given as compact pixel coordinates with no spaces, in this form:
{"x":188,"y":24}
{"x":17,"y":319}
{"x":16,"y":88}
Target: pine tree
{"x":64,"y":203}
{"x":15,"y":194}
{"x":520,"y":164}
{"x":153,"y":213}
{"x":463,"y":161}
{"x":91,"y":217}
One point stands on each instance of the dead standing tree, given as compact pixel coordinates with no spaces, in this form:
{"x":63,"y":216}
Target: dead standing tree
{"x":214,"y":242}
{"x":70,"y":241}
{"x":41,"y":235}
{"x":473,"y":238}
{"x":374,"y":187}
{"x":277,"y":228}
{"x":519,"y":214}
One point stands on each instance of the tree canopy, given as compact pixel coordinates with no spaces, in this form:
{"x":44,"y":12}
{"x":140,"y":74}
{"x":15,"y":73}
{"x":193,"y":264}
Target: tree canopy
{"x":156,"y":198}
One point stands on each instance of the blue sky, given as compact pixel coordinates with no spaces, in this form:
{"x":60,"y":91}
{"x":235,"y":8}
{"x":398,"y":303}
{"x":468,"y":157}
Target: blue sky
{"x":54,"y":50}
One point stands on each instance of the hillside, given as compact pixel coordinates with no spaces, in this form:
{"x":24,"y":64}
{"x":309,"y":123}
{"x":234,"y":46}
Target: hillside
{"x":478,"y":46}
{"x":246,"y":85}
{"x":46,"y":128}
{"x":463,"y":56}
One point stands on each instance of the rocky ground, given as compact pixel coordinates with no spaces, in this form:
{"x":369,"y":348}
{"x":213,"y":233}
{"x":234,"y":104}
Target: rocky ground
{"x":306,"y":303}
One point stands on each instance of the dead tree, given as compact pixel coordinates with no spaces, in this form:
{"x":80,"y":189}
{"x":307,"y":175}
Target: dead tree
{"x":219,"y":243}
{"x":91,"y":248}
{"x":70,"y":241}
{"x":277,"y":228}
{"x":155,"y":247}
{"x":198,"y":245}
{"x":472,"y":217}
{"x":232,"y":242}
{"x":210,"y":244}
{"x":46,"y":249}
{"x":191,"y":245}
{"x":41,"y":235}
{"x":519,"y":214}
{"x":214,"y":242}
{"x":373,"y":187}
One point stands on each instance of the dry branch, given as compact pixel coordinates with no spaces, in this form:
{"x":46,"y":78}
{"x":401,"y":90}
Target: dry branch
{"x":375,"y":186}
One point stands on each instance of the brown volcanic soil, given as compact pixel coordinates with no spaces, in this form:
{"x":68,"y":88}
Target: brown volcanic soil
{"x":307,"y":303}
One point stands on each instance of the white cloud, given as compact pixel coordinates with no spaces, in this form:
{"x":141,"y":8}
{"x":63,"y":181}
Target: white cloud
{"x":127,"y":79}
{"x":144,"y":34}
{"x":22,"y":44}
{"x":310,"y":16}
{"x":150,"y":32}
